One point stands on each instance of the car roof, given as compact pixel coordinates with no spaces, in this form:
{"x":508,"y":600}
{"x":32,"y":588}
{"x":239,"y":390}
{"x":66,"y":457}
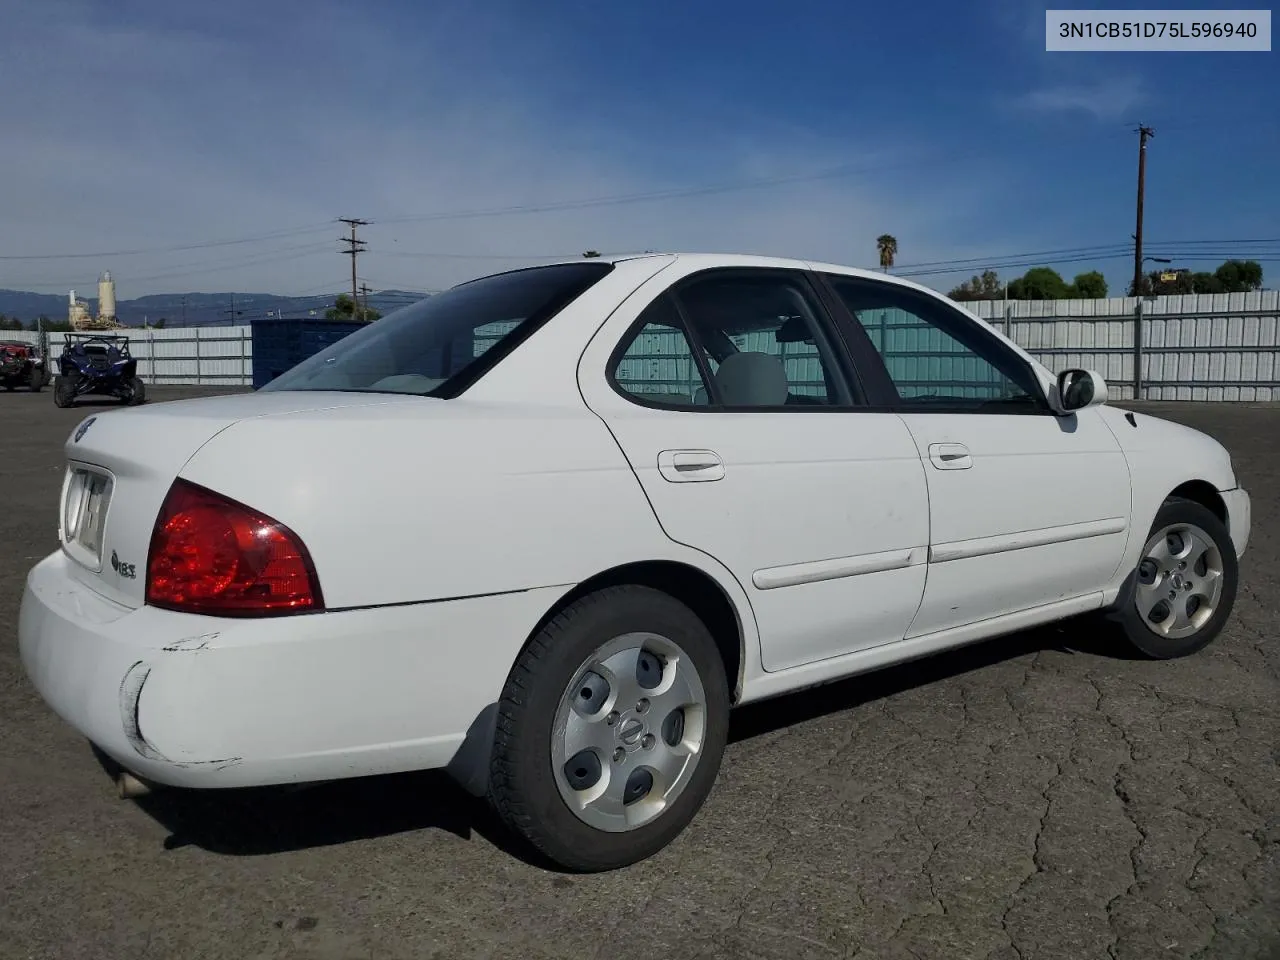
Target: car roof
{"x":709,"y":260}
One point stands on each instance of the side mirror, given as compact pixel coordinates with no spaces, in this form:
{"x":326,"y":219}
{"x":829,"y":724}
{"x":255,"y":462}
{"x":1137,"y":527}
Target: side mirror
{"x":1078,"y":389}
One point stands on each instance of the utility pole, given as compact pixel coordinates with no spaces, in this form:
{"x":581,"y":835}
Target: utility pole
{"x":354,"y":247}
{"x":364,"y":288}
{"x":1144,"y":134}
{"x":184,"y":311}
{"x":230,"y":314}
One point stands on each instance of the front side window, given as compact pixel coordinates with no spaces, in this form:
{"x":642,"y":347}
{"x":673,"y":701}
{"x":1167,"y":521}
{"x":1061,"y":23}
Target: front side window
{"x":439,"y":346}
{"x":934,"y":356}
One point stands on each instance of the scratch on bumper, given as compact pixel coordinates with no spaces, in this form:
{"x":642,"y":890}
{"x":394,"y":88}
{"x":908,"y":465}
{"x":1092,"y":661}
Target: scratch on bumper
{"x":192,"y":643}
{"x":130,"y":695}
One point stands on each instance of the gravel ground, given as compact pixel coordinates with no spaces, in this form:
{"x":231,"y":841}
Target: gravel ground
{"x":1039,"y":796}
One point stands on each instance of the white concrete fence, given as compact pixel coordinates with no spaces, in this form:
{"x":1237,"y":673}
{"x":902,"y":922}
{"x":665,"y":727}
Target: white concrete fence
{"x":1220,"y":347}
{"x":207,"y":356}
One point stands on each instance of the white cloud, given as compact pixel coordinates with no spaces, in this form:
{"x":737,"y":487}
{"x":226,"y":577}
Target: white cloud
{"x":1106,"y":99}
{"x":148,"y":133}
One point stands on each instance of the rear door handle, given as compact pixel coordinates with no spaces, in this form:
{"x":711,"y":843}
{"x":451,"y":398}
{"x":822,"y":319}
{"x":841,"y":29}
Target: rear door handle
{"x":690,"y":466}
{"x":950,"y":456}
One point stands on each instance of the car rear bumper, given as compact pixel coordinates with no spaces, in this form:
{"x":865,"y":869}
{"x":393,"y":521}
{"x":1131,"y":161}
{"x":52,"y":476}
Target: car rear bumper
{"x":199,"y":701}
{"x":1239,"y":517}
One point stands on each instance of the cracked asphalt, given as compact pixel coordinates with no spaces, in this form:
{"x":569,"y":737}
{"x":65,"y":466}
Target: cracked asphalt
{"x":1044,"y":795}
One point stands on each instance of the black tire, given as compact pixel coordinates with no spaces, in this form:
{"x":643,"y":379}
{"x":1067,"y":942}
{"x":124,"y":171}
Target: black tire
{"x":137,"y":392}
{"x":1177,"y":512}
{"x":36,"y":380}
{"x":522,"y":784}
{"x":64,"y":391}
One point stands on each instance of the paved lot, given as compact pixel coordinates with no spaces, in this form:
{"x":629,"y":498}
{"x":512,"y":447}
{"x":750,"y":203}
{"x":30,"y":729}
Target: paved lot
{"x":1041,"y":796}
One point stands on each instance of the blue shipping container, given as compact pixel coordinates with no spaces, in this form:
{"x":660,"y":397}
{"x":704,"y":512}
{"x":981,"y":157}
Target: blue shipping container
{"x":279,"y":344}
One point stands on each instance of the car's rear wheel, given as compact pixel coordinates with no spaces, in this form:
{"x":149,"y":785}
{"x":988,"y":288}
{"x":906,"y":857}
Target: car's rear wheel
{"x":35,"y":379}
{"x":1184,"y":586}
{"x":64,"y":391}
{"x":611,"y":728}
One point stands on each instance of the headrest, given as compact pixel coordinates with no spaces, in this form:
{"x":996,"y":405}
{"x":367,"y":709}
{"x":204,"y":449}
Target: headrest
{"x":752,"y":380}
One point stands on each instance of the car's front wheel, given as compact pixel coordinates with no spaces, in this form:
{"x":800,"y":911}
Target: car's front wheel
{"x":610,"y":729}
{"x":1185,"y":583}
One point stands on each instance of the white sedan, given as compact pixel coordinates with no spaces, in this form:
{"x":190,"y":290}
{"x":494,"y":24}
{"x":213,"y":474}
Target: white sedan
{"x":544,"y":530}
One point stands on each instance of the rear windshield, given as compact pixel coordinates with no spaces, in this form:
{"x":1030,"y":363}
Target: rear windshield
{"x":441,"y":345}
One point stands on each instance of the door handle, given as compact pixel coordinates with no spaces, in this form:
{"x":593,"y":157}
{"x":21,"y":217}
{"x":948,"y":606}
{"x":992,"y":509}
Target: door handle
{"x":690,"y":466}
{"x":950,"y":456}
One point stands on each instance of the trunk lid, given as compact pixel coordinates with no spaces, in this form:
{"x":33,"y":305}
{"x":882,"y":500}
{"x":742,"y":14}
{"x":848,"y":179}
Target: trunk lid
{"x":121,"y":463}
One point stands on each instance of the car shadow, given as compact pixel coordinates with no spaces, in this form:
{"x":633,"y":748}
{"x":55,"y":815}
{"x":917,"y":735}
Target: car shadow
{"x":269,"y":820}
{"x":1086,"y":635}
{"x":93,"y":403}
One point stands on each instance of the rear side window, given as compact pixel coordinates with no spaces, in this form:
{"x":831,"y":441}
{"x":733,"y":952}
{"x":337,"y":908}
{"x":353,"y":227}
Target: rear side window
{"x":736,"y":339}
{"x":440,"y":346}
{"x":658,"y":365}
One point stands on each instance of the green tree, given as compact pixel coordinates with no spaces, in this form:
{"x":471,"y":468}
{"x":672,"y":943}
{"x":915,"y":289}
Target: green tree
{"x":1039,"y":283}
{"x":1089,"y":286}
{"x":986,"y":286}
{"x":887,"y":247}
{"x":1239,"y":276}
{"x":344,"y":308}
{"x":159,"y":324}
{"x":1233,"y":276}
{"x":1205,"y":282}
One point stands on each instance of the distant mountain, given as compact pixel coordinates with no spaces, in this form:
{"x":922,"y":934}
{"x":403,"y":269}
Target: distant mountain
{"x":199,"y":309}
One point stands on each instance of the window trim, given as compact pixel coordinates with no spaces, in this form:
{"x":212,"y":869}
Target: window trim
{"x":842,"y":371}
{"x":952,"y":321}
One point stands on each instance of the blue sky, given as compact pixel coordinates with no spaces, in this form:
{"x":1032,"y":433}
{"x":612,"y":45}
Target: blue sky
{"x":134,"y":128}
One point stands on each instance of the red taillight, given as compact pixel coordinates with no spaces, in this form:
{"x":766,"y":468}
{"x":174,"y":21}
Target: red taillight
{"x":212,"y":555}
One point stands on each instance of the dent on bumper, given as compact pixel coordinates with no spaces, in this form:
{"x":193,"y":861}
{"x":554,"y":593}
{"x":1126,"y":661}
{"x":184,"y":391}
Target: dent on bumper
{"x":201,"y":701}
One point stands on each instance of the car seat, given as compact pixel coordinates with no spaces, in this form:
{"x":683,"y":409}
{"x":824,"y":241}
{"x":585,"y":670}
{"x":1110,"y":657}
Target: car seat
{"x":752,"y":380}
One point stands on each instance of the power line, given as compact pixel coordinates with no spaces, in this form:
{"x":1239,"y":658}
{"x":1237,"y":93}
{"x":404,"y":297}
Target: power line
{"x":283,"y":255}
{"x":1166,"y":247}
{"x":942,"y":270}
{"x":993,"y":264}
{"x":979,"y":261}
{"x":482,"y":256}
{"x":201,"y":245}
{"x":582,"y":203}
{"x":844,"y":170}
{"x":1188,"y":243}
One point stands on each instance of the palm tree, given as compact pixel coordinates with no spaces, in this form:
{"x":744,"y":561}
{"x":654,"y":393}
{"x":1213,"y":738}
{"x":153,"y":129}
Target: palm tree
{"x":888,"y":247}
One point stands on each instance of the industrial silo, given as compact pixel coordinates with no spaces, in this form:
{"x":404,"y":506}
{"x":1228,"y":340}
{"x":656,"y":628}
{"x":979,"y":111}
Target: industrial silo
{"x":106,"y":297}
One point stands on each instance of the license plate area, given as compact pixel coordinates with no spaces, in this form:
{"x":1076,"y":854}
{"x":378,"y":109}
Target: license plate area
{"x":86,"y":498}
